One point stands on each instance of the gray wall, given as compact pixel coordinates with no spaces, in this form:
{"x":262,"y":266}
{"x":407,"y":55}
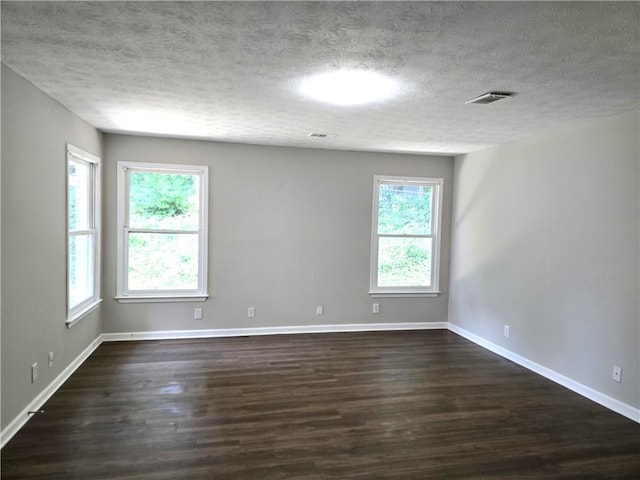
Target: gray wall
{"x":546,"y":240}
{"x":35,"y":130}
{"x":289,"y":229}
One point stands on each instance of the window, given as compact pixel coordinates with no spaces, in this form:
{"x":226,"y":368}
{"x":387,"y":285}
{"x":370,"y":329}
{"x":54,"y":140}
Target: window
{"x":162,"y":232}
{"x":83,"y":239}
{"x":406,"y":236}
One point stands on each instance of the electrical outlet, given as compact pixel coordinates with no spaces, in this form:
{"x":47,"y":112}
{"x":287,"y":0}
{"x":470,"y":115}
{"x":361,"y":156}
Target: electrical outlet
{"x":197,"y":313}
{"x":616,"y":375}
{"x":506,"y":331}
{"x":376,"y":308}
{"x":251,"y":312}
{"x":50,"y":359}
{"x":319,"y":310}
{"x":34,"y":372}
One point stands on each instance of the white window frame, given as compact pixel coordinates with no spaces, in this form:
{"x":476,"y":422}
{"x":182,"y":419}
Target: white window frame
{"x":437,"y":185}
{"x":123,"y":295}
{"x":76,"y":155}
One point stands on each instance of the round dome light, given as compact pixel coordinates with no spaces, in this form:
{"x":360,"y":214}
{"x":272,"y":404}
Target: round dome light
{"x":349,"y":87}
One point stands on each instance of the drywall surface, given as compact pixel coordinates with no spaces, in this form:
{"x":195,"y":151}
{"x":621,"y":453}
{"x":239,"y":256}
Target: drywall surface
{"x":35,"y":131}
{"x":546,"y":240}
{"x":289,"y":229}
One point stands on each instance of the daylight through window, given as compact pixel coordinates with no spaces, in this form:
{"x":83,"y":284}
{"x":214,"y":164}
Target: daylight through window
{"x":163,"y":235}
{"x":405,"y":237}
{"x":83,"y":221}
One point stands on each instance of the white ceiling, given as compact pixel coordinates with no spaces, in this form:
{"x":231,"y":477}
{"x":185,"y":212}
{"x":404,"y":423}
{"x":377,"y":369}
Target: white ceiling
{"x":229,"y":71}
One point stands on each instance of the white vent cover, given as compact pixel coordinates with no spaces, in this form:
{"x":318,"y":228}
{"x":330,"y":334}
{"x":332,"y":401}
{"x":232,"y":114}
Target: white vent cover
{"x":320,"y":135}
{"x":490,"y":97}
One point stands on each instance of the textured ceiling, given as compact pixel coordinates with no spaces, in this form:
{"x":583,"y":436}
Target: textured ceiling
{"x":230,"y":71}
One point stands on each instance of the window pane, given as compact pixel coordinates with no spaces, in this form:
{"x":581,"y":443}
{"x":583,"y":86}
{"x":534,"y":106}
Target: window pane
{"x":404,"y":262}
{"x":164,"y":201}
{"x":404,"y":209}
{"x":80,"y":268}
{"x":79,"y":196}
{"x":159,"y":261}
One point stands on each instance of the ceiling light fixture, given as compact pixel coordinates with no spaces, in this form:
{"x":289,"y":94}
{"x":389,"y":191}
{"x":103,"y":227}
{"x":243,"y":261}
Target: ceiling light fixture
{"x":349,"y":87}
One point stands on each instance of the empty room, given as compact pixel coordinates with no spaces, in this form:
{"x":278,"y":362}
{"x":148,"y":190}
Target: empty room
{"x":320,"y":240}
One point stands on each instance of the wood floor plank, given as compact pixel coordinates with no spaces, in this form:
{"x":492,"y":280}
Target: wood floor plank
{"x":379,"y":405}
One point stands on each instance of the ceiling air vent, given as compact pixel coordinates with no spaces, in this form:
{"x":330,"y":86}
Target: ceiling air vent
{"x":320,"y":135}
{"x":490,"y":97}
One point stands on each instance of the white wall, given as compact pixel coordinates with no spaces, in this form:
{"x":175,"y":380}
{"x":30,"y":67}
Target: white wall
{"x":289,"y":229}
{"x":35,"y":131}
{"x":546,"y":239}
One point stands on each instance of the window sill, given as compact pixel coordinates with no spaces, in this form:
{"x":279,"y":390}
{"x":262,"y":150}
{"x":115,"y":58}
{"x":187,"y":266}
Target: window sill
{"x":162,"y":299}
{"x":404,"y":294}
{"x":77,"y":316}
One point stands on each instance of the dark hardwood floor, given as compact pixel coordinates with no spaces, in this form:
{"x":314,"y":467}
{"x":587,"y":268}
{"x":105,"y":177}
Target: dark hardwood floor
{"x":390,"y":405}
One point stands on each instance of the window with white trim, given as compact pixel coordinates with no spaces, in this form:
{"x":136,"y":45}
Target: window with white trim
{"x":162,"y":232}
{"x":83,"y":233}
{"x":405,"y":250}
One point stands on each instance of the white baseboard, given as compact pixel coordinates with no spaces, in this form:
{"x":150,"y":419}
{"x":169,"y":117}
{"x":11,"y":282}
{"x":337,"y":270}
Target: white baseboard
{"x":611,"y":403}
{"x":36,"y":404}
{"x":588,"y":392}
{"x":284,"y":330}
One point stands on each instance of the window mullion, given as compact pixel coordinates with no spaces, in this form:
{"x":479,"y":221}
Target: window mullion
{"x":82,"y":232}
{"x":163,"y":231}
{"x":403,"y":235}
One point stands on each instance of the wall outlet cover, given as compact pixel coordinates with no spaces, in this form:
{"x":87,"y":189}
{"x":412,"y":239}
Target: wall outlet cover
{"x":616,"y":375}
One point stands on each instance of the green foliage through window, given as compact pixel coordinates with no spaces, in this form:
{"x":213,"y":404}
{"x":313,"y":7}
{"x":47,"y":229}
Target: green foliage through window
{"x":161,"y":194}
{"x":168,"y":202}
{"x":404,"y":209}
{"x":405,"y":241}
{"x":404,"y":262}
